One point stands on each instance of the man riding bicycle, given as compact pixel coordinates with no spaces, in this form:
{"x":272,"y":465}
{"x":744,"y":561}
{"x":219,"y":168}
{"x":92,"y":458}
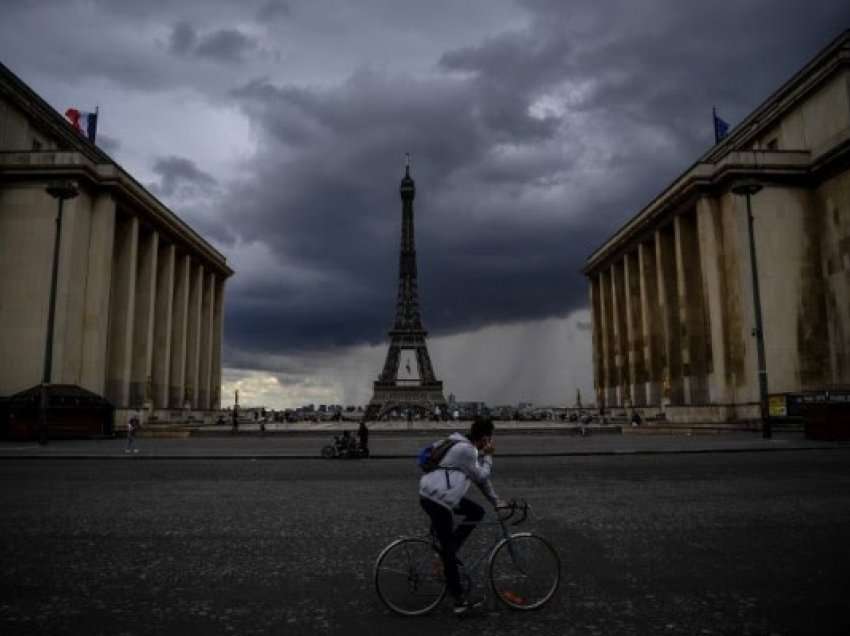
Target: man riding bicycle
{"x":442,"y":495}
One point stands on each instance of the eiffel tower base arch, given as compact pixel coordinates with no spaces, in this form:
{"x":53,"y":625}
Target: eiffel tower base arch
{"x":421,"y":400}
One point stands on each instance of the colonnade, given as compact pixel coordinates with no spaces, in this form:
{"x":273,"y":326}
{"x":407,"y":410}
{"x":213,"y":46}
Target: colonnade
{"x":651,"y":328}
{"x":164,"y":335}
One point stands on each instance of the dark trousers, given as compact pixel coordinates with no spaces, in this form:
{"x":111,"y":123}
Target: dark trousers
{"x":452,"y":538}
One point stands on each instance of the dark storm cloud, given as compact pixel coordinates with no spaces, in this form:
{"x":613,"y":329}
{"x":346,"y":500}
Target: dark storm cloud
{"x":530,"y":145}
{"x":183,"y":38}
{"x":510,"y":199}
{"x":225,"y":45}
{"x":273,"y":10}
{"x":335,"y":207}
{"x":178,"y":173}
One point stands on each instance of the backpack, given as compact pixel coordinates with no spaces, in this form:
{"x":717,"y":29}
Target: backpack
{"x":429,"y":458}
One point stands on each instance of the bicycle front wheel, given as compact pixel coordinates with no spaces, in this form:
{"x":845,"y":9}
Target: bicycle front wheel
{"x":409,"y":577}
{"x":524,"y":571}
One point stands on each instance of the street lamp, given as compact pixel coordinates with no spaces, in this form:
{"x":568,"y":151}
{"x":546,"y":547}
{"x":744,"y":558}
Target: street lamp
{"x":747,"y":188}
{"x":60,"y":190}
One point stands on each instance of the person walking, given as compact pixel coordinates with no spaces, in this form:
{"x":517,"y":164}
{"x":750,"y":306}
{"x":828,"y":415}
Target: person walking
{"x":133,"y":425}
{"x":363,"y":436}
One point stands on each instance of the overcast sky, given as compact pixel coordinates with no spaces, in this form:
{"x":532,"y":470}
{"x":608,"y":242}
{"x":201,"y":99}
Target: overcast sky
{"x":278,"y":130}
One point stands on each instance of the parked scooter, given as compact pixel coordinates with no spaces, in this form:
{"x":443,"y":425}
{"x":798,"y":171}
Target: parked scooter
{"x":344,"y":446}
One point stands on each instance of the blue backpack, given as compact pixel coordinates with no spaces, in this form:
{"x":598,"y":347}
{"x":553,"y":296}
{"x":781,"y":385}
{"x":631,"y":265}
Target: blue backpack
{"x":429,"y":458}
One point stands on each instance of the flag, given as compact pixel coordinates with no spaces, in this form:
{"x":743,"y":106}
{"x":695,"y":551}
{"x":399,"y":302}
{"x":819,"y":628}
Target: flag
{"x":721,"y":128}
{"x":85,"y":123}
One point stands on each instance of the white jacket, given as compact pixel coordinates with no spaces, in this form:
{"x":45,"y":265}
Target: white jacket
{"x":460,"y":466}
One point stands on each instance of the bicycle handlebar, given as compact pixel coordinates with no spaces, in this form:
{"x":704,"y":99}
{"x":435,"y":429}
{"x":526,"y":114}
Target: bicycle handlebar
{"x":514,"y":506}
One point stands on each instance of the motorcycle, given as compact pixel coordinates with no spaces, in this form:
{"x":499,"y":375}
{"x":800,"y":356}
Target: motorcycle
{"x":344,"y":449}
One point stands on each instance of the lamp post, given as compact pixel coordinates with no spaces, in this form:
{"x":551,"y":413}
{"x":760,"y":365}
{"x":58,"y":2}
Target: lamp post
{"x":747,"y":188}
{"x":60,"y":190}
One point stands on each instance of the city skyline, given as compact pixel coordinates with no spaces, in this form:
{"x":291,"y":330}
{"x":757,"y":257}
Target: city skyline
{"x":278,"y":130}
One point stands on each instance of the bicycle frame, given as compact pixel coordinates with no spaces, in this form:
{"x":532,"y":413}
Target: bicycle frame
{"x":469,"y":572}
{"x":503,"y":537}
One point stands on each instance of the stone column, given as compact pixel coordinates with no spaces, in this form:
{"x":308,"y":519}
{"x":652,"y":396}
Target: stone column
{"x":98,"y":281}
{"x":179,"y":323}
{"x":122,"y":311}
{"x":618,"y":303}
{"x":607,"y":337}
{"x":207,"y":319}
{"x":218,"y":324}
{"x":694,"y":330}
{"x":650,"y":321}
{"x":193,"y":336}
{"x":141,"y":381}
{"x":161,"y":359}
{"x":712,"y":257}
{"x":596,"y":333}
{"x":668,"y":305}
{"x":71,"y":290}
{"x":634,"y":331}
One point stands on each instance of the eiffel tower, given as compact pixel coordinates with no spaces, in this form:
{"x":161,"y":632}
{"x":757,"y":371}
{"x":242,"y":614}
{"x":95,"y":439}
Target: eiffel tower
{"x":407,"y":384}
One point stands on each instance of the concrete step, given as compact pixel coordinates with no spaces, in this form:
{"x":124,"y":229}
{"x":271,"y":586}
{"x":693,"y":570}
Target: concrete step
{"x":691,"y":428}
{"x":421,"y":430}
{"x":162,"y":430}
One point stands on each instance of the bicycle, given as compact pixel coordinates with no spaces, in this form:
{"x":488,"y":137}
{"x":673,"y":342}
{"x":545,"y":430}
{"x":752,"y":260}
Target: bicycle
{"x":524,"y":570}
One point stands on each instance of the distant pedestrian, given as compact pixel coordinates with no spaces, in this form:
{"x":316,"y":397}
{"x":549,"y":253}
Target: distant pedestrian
{"x":636,"y":420}
{"x":133,"y":426}
{"x":235,"y":415}
{"x":363,"y":435}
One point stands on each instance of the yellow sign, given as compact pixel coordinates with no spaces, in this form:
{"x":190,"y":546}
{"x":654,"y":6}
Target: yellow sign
{"x":776,"y":406}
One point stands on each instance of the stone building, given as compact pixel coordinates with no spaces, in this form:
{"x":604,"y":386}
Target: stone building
{"x":671,"y":291}
{"x":138,"y":314}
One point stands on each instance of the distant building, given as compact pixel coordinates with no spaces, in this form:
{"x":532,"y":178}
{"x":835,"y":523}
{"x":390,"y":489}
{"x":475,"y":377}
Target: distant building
{"x":671,"y":291}
{"x":139,"y":300}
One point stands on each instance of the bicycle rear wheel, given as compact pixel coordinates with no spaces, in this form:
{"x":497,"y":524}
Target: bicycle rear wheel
{"x":409,"y":577}
{"x":524,"y":571}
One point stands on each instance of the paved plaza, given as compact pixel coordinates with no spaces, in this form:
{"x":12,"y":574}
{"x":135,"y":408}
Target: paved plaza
{"x":669,"y":543}
{"x":385,"y":445}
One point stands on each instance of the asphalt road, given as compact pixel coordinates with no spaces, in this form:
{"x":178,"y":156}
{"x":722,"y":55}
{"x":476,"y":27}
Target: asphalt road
{"x":743,"y":543}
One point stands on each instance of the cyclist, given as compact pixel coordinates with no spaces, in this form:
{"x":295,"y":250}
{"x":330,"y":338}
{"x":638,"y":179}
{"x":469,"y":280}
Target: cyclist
{"x":442,"y":495}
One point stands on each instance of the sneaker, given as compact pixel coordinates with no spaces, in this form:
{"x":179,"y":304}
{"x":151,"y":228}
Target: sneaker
{"x":135,"y":450}
{"x":126,"y":450}
{"x":462,"y":606}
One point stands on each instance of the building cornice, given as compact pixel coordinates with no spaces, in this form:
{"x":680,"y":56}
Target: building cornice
{"x":778,"y":166}
{"x":728,"y":160}
{"x":41,"y":165}
{"x":805,"y":81}
{"x":83,"y":158}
